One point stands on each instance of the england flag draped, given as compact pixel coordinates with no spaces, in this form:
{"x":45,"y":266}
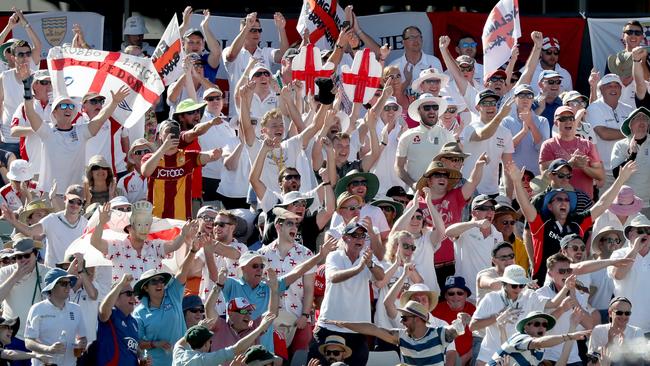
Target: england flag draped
{"x":323,"y":19}
{"x":500,"y":34}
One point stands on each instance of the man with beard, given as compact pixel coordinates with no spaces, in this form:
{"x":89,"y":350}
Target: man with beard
{"x":563,"y":286}
{"x":558,"y":217}
{"x":548,"y":60}
{"x":136,"y":253}
{"x":334,"y":350}
{"x":117,"y":332}
{"x":417,"y":146}
{"x":548,"y":100}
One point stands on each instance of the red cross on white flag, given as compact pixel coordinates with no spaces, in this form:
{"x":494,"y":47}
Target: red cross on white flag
{"x":500,"y":34}
{"x":361,"y":81}
{"x":307,"y":66}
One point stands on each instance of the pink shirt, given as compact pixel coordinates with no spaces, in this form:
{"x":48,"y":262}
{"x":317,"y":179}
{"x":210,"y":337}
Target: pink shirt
{"x":450,"y":207}
{"x":224,"y":336}
{"x":554,"y":148}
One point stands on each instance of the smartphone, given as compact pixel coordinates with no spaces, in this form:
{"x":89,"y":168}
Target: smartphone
{"x":175,"y":130}
{"x":345,"y":24}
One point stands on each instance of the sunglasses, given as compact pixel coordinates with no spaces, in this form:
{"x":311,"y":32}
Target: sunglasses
{"x":488,"y":103}
{"x":440,"y":175}
{"x":64,"y":106}
{"x":466,"y":68}
{"x":96,"y":101}
{"x":350,"y":208}
{"x":359,"y":183}
{"x":387,"y":208}
{"x":553,"y":53}
{"x":564,"y":271}
{"x":335,"y":353}
{"x":512,"y":286}
{"x":619,"y":313}
{"x":525,"y":95}
{"x":255,"y":30}
{"x":454,"y":160}
{"x":261,"y":73}
{"x":64,"y":283}
{"x":128,"y":293}
{"x":456,"y":293}
{"x":508,"y":222}
{"x":358,"y":236}
{"x":404,"y":318}
{"x":538,"y":324}
{"x":24,"y":54}
{"x":432,"y":81}
{"x":212,"y":99}
{"x":141,"y":152}
{"x":578,"y":248}
{"x":22,"y":256}
{"x":77,"y":202}
{"x":506,"y":257}
{"x":291,"y":177}
{"x":222,"y":223}
{"x":96,"y":168}
{"x":44,"y":82}
{"x":451,"y":110}
{"x":566,"y":119}
{"x":563,"y":175}
{"x":258,"y":265}
{"x":495,"y":79}
{"x":123,"y":209}
{"x":430,"y":107}
{"x":156,"y":281}
{"x":391,"y":107}
{"x":577,"y":103}
{"x":196,"y":310}
{"x":484,"y":208}
{"x":407,"y":246}
{"x":553,"y":82}
{"x":418,"y":217}
{"x":467,"y":44}
{"x":641,"y":231}
{"x":629,"y":32}
{"x":610,"y":240}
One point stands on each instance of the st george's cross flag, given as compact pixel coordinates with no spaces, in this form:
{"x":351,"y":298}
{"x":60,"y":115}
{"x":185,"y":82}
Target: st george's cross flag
{"x":362,"y":79}
{"x":500,"y":34}
{"x":308,"y":66}
{"x":323,"y":19}
{"x":78,"y":71}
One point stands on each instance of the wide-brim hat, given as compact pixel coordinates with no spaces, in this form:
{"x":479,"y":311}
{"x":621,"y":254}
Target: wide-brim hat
{"x":428,"y":74}
{"x":13,"y":323}
{"x":573,"y":95}
{"x":548,"y":197}
{"x":503,"y":209}
{"x":346,"y":196}
{"x":134,"y":26}
{"x":620,"y":64}
{"x":438,"y":166}
{"x":97,"y":160}
{"x":20,"y":170}
{"x":53,"y":276}
{"x":188,"y":105}
{"x":514,"y":274}
{"x":209,"y":91}
{"x":338,"y":341}
{"x":413,"y":112}
{"x":371,"y":179}
{"x":415,"y":308}
{"x":91,"y":95}
{"x":398,"y":207}
{"x":248,"y":256}
{"x":595,"y":242}
{"x":626,"y":202}
{"x":625,"y":127}
{"x":148,"y":275}
{"x":419,"y":287}
{"x":451,"y":149}
{"x":533,"y":315}
{"x":638,"y":221}
{"x":291,"y":197}
{"x":4,"y":46}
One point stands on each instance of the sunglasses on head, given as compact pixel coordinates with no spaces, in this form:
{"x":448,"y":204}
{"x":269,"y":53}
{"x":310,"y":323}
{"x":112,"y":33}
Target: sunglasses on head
{"x":258,"y":265}
{"x":335,"y":353}
{"x":488,"y":103}
{"x":495,"y":79}
{"x":128,"y":293}
{"x":552,"y":53}
{"x":359,"y":183}
{"x":451,"y":110}
{"x":525,"y":95}
{"x":44,"y":82}
{"x":516,"y":286}
{"x":212,"y":99}
{"x":255,"y":30}
{"x":261,"y":73}
{"x":75,"y":201}
{"x":466,"y":68}
{"x":391,"y":107}
{"x":508,"y":222}
{"x":633,"y":32}
{"x":291,"y":177}
{"x":553,"y":82}
{"x":564,"y":271}
{"x":506,"y":257}
{"x":407,"y":246}
{"x":538,"y":324}
{"x":456,"y":293}
{"x":619,"y":313}
{"x":350,"y":208}
{"x":222,"y":223}
{"x":22,"y":256}
{"x":578,"y":248}
{"x":196,"y":310}
{"x":430,"y":107}
{"x":387,"y":208}
{"x":24,"y":54}
{"x":96,"y":101}
{"x":64,"y":106}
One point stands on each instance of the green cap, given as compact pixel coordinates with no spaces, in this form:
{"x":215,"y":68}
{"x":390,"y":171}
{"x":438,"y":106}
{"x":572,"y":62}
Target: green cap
{"x":197,"y":335}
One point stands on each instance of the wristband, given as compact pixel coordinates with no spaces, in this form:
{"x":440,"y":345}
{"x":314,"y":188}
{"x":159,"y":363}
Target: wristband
{"x":327,"y":183}
{"x":383,"y":143}
{"x":638,"y":60}
{"x":219,"y":285}
{"x":27,"y":88}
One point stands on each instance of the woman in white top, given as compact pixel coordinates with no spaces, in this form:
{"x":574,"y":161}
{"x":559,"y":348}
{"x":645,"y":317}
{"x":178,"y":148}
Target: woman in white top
{"x":612,"y":339}
{"x":390,"y":126}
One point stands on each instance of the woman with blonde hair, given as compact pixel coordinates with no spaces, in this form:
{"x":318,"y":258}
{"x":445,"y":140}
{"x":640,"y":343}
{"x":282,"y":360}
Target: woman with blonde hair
{"x":99,"y":183}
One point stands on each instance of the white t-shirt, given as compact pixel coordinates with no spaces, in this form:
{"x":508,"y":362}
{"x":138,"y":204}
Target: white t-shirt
{"x":600,"y":114}
{"x":216,"y":137}
{"x":234,"y":183}
{"x":500,"y":143}
{"x":60,"y":234}
{"x":13,"y":97}
{"x":25,"y":293}
{"x":33,"y":144}
{"x":376,"y":217}
{"x":46,"y":323}
{"x":382,"y":168}
{"x":639,"y":180}
{"x":134,"y":186}
{"x":604,"y":290}
{"x":89,"y":307}
{"x":634,"y":286}
{"x":236,"y":68}
{"x":101,"y":144}
{"x":423,"y":259}
{"x":473,"y":253}
{"x":64,"y":154}
{"x":419,"y":145}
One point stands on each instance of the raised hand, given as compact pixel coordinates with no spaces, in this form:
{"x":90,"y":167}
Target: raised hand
{"x":279,"y":20}
{"x":121,"y":94}
{"x":250,"y":20}
{"x":443,"y":42}
{"x":627,"y":170}
{"x":537,"y":38}
{"x":384,"y":51}
{"x":187,"y":13}
{"x":206,"y":18}
{"x":594,"y":78}
{"x":329,"y":246}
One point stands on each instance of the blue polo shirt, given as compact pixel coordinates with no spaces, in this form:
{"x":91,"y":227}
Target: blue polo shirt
{"x":117,"y":340}
{"x":166,"y":323}
{"x":527,"y":152}
{"x":258,"y":296}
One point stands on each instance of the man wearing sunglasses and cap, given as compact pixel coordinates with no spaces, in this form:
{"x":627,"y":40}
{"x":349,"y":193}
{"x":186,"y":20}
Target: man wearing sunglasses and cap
{"x":134,"y":184}
{"x":548,"y":60}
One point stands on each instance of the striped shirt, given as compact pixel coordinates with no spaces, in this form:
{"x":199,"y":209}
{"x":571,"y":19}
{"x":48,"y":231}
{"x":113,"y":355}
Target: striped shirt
{"x":170,"y":185}
{"x":428,"y":350}
{"x":517,"y":348}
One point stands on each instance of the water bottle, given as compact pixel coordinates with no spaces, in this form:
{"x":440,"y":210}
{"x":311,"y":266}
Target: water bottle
{"x":60,"y":358}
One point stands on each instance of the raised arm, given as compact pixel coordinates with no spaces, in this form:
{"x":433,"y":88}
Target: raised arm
{"x":452,"y":67}
{"x":237,"y":44}
{"x":533,"y":58}
{"x":200,"y":129}
{"x":639,"y":68}
{"x":394,"y":291}
{"x":639,"y":244}
{"x":475,"y":177}
{"x":37,"y":46}
{"x":245,"y":343}
{"x":96,"y":237}
{"x":438,"y":233}
{"x":33,"y":231}
{"x":246,"y":94}
{"x":403,"y":221}
{"x":487,"y":131}
{"x":280,"y":24}
{"x":323,"y":216}
{"x":184,"y":270}
{"x":368,"y":161}
{"x":389,"y":336}
{"x":96,"y":123}
{"x":211,"y":41}
{"x":529,"y":211}
{"x":150,"y":165}
{"x":187,"y":235}
{"x":106,"y":306}
{"x":255,"y":176}
{"x":608,"y":197}
{"x":368,"y":41}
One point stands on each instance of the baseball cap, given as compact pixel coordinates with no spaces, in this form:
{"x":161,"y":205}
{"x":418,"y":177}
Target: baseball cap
{"x":497,"y":72}
{"x":610,"y":78}
{"x":257,"y":68}
{"x":485,"y":94}
{"x":41,"y":75}
{"x":210,"y":91}
{"x":92,"y":95}
{"x":192,"y":31}
{"x":465,"y":60}
{"x":352,"y":227}
{"x":197,"y":335}
{"x":569,"y":238}
{"x":562,"y":109}
{"x":547,"y":74}
{"x":290,"y":53}
{"x":523,"y":88}
{"x":75,"y":191}
{"x":557,"y":164}
{"x":239,"y":303}
{"x":550,"y":42}
{"x":192,"y":302}
{"x":481,"y":199}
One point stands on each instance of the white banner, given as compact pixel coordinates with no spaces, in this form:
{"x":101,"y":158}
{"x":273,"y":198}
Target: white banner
{"x":54,"y":28}
{"x":77,"y":71}
{"x":169,"y":54}
{"x":606,"y":37}
{"x":323,"y":19}
{"x":500,"y":34}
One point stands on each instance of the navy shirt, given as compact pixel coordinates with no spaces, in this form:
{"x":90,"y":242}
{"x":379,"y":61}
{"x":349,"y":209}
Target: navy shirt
{"x":121,"y":332}
{"x":549,"y":111}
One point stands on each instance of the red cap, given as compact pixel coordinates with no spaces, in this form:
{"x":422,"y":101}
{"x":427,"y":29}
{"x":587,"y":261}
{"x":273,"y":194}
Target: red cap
{"x":497,"y":72}
{"x":561,"y":110}
{"x":239,"y":303}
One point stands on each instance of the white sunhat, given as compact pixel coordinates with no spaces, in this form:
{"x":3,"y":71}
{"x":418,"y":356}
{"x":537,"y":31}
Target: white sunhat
{"x":134,"y":26}
{"x":426,"y":98}
{"x":20,"y":170}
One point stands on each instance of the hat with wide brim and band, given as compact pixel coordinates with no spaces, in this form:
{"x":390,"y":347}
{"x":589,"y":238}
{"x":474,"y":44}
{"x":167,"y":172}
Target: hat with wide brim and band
{"x":371,"y":180}
{"x":637,"y":221}
{"x":438,"y":166}
{"x":451,"y":150}
{"x":293,"y":197}
{"x":625,"y":127}
{"x":34,"y":206}
{"x":413,"y":110}
{"x":382,"y":201}
{"x":53,"y":276}
{"x":595,"y":242}
{"x":534,"y":315}
{"x":415,"y":308}
{"x":188,"y":105}
{"x":337,"y":341}
{"x":428,"y":74}
{"x":419,"y":287}
{"x":146,"y":277}
{"x":4,"y":47}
